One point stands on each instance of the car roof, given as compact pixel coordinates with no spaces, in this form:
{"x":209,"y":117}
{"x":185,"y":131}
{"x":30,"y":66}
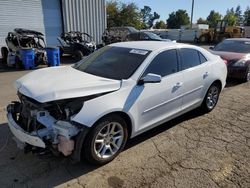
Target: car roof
{"x":240,"y":39}
{"x":150,"y":45}
{"x":131,"y":29}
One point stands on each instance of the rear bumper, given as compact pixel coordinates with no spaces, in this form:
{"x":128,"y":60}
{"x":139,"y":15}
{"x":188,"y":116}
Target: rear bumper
{"x":22,"y":135}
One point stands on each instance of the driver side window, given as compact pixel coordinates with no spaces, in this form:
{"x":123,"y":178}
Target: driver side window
{"x":163,"y":64}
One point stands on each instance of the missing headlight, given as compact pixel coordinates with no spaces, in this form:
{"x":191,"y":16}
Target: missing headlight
{"x":69,"y":107}
{"x":73,"y":107}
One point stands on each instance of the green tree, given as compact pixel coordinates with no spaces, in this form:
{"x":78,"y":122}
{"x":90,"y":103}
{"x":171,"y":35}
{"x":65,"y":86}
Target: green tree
{"x":160,"y":25}
{"x":147,"y":17}
{"x":123,"y":15}
{"x":113,"y":12}
{"x":231,"y":17}
{"x":177,"y":19}
{"x":213,"y":17}
{"x":247,"y":17}
{"x":130,"y":15}
{"x":145,"y":12}
{"x":238,"y":13}
{"x":201,"y":21}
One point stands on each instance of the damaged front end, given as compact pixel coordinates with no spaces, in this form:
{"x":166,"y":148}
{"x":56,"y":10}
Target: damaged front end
{"x":47,"y":126}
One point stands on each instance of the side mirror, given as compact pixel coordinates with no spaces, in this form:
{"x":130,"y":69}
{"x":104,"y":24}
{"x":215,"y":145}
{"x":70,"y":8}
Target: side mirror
{"x":150,"y":78}
{"x":211,"y":48}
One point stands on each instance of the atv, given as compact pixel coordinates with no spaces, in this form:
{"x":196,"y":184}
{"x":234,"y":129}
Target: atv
{"x":21,"y":39}
{"x":76,"y":44}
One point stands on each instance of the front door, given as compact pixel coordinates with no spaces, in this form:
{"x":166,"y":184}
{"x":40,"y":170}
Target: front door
{"x":159,"y":101}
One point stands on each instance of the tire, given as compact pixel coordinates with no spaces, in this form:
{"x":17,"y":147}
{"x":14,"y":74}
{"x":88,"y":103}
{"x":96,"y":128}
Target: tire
{"x":78,"y":55}
{"x":100,"y":143}
{"x":61,"y":51}
{"x":247,"y":76}
{"x":4,"y":52}
{"x":196,"y":40}
{"x":209,"y":104}
{"x":19,"y":64}
{"x":203,"y":39}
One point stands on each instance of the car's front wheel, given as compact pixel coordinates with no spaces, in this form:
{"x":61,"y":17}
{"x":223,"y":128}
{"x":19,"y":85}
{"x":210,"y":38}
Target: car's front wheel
{"x":211,"y":98}
{"x":247,"y":77}
{"x":106,"y":140}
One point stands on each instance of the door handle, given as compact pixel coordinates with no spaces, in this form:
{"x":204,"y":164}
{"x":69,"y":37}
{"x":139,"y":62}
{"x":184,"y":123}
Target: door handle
{"x":178,"y":84}
{"x":205,"y":74}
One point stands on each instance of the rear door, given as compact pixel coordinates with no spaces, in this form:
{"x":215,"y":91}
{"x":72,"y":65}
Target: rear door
{"x":195,"y":74}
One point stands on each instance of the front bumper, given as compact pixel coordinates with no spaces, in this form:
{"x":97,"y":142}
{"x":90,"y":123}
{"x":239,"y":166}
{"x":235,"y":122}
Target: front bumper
{"x":22,"y":135}
{"x":236,"y":72}
{"x":50,"y":132}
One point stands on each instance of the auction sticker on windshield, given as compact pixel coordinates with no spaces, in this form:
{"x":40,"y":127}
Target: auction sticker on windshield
{"x":140,"y":52}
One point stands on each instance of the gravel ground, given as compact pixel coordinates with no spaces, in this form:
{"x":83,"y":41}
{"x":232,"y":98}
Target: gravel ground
{"x":195,"y":150}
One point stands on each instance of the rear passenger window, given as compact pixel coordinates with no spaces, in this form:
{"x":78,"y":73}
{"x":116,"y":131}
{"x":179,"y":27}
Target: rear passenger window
{"x":189,"y":58}
{"x":202,"y":58}
{"x":163,"y":64}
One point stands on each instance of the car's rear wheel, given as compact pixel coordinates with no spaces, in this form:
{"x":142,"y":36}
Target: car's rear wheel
{"x":203,"y":39}
{"x":211,"y":98}
{"x":4,"y":52}
{"x":106,"y":140}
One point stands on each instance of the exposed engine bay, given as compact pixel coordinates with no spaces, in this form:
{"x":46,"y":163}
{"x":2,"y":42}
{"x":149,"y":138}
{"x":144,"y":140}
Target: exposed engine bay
{"x":48,"y":124}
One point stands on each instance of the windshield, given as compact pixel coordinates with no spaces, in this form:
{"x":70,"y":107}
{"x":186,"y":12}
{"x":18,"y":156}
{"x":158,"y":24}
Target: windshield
{"x":132,"y":30}
{"x":153,"y":36}
{"x":113,"y":62}
{"x":233,"y":46}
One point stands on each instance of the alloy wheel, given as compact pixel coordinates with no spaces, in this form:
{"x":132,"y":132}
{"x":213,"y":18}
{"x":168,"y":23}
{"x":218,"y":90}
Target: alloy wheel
{"x":212,"y":97}
{"x":109,"y":140}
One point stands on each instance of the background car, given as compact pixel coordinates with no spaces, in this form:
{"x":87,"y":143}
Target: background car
{"x":116,"y":93}
{"x":142,"y":36}
{"x":236,"y":52}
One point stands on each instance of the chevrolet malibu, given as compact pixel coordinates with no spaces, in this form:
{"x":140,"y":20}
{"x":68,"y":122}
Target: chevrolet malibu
{"x":89,"y":110}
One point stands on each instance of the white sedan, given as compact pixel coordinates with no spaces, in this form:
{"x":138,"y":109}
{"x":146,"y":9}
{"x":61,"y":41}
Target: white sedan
{"x":92,"y":108}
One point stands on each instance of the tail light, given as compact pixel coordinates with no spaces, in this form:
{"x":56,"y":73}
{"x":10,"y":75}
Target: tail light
{"x":225,"y":61}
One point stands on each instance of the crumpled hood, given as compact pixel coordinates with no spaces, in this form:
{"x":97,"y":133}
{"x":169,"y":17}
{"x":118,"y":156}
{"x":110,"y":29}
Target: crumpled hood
{"x":63,"y":82}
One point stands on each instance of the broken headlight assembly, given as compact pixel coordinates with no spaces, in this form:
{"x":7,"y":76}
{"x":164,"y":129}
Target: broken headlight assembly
{"x":70,"y":107}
